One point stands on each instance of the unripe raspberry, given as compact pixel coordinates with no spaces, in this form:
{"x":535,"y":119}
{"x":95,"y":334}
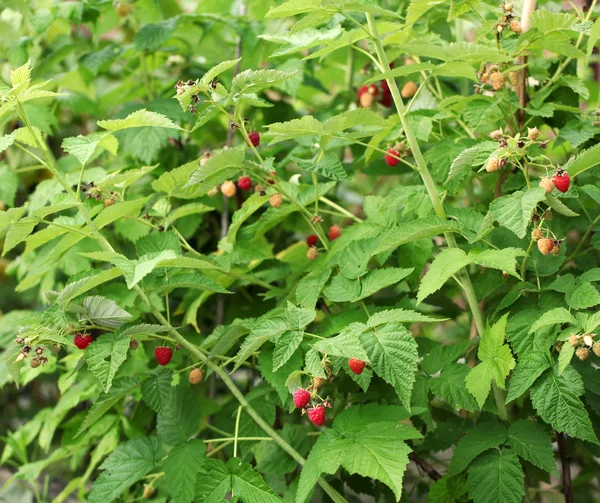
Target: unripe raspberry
{"x":492,"y":164}
{"x":582,"y":353}
{"x":123,"y":9}
{"x":556,"y":250}
{"x":587,"y":340}
{"x":574,"y":340}
{"x":545,"y":246}
{"x":205,"y":158}
{"x":513,"y":78}
{"x":496,"y":135}
{"x":312,"y":253}
{"x":497,"y":80}
{"x":547,"y":184}
{"x":533,"y":133}
{"x":515,"y":26}
{"x":109,"y":201}
{"x":196,"y":376}
{"x":148,"y":491}
{"x":228,"y":188}
{"x":212,"y":192}
{"x":276,"y":200}
{"x":537,"y":234}
{"x":318,"y":382}
{"x":134,"y":344}
{"x":507,"y":7}
{"x":596,"y":348}
{"x":34,"y":363}
{"x":408,"y":90}
{"x":366,"y":100}
{"x":259,"y":188}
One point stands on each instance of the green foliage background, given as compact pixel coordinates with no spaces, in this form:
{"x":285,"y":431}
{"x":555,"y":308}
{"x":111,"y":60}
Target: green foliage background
{"x":120,"y":122}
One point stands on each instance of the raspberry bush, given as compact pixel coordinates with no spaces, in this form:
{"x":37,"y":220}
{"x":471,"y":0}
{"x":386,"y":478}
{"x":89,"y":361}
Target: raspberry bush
{"x":312,"y":250}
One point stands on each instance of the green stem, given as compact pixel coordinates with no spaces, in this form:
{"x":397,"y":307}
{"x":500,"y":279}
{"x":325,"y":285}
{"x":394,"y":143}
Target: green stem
{"x":237,"y":431}
{"x":343,"y":211}
{"x":424,"y":171}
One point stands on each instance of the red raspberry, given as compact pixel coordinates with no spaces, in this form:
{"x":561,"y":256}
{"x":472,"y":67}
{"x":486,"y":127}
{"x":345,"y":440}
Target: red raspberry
{"x":83,"y":341}
{"x":561,"y":180}
{"x":357,"y":366}
{"x":334,"y":232}
{"x":317,"y":415}
{"x":301,"y":398}
{"x":163,"y":355}
{"x":386,"y":95}
{"x":245,"y":183}
{"x":254,"y":137}
{"x":390,"y":160}
{"x":312,"y":240}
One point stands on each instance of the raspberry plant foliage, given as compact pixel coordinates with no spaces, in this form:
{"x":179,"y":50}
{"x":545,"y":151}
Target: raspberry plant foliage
{"x":300,"y":251}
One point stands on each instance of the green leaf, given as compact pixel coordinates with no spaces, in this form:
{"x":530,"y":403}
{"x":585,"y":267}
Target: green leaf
{"x":484,"y":436}
{"x":296,"y":128}
{"x":105,"y":312}
{"x":583,"y":296}
{"x":496,"y":477}
{"x":120,"y":210}
{"x":441,"y":356}
{"x":156,"y":389}
{"x":127,"y":464}
{"x":456,"y":69}
{"x":556,"y":316}
{"x":180,"y":418}
{"x":555,"y":398}
{"x":401,"y":71}
{"x":221,"y":166}
{"x":328,"y":166}
{"x":412,"y":231}
{"x":558,"y":206}
{"x":594,"y":35}
{"x":392,"y":351}
{"x":418,"y":8}
{"x":10,"y":185}
{"x":256,"y":80}
{"x":84,"y":147}
{"x":217,"y":478}
{"x":104,"y":357}
{"x":140,"y":118}
{"x":293,"y":8}
{"x":586,"y":159}
{"x":504,"y":259}
{"x":347,"y":344}
{"x":496,"y":362}
{"x":151,"y":36}
{"x":84,"y":285}
{"x":310,"y":286}
{"x":121,"y":387}
{"x":564,"y":358}
{"x":399,"y":316}
{"x":531,"y":365}
{"x":250,"y":206}
{"x":266,"y":329}
{"x":514,"y":211}
{"x":183,"y":463}
{"x":450,"y":387}
{"x":136,"y":270}
{"x":533,"y":444}
{"x":444,"y":266}
{"x":285,"y":346}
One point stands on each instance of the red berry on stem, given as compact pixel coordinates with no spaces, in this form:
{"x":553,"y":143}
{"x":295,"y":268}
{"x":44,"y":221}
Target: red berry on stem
{"x":82,"y":341}
{"x":254,"y":137}
{"x":312,"y":240}
{"x":561,"y":180}
{"x":390,"y":157}
{"x":357,"y":366}
{"x":245,"y":183}
{"x":163,"y":355}
{"x":334,"y":232}
{"x":301,"y":398}
{"x":317,"y":415}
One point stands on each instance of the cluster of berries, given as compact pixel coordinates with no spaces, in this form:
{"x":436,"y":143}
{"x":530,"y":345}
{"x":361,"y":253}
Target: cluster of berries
{"x":94,"y":192}
{"x":335,"y":232}
{"x":507,"y":20}
{"x":393,"y":154}
{"x":560,"y":179}
{"x":37,"y":359}
{"x":494,"y":163}
{"x":596,"y":121}
{"x":584,"y":343}
{"x":546,"y":245}
{"x":367,"y":94}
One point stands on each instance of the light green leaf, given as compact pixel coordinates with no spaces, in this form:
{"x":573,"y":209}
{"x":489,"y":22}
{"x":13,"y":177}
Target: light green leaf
{"x":181,"y":467}
{"x":221,"y":166}
{"x":296,"y":128}
{"x":310,"y":286}
{"x":399,"y":316}
{"x":406,"y":233}
{"x":585,"y":160}
{"x":514,"y":211}
{"x":140,"y":118}
{"x":266,"y":329}
{"x":556,"y":316}
{"x":293,"y":8}
{"x":444,"y":266}
{"x":441,"y":356}
{"x":285,"y":346}
{"x":84,"y":147}
{"x":256,"y":80}
{"x":347,"y":344}
{"x":105,"y":312}
{"x":104,"y":357}
{"x":401,"y":71}
{"x":127,"y":464}
{"x":583,"y":296}
{"x":504,"y":259}
{"x":328,"y":166}
{"x":136,"y":270}
{"x":496,"y":477}
{"x":120,"y":210}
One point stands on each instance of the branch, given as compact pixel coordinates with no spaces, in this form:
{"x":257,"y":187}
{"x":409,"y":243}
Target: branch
{"x":528,"y":8}
{"x":431,"y":472}
{"x":565,"y":461}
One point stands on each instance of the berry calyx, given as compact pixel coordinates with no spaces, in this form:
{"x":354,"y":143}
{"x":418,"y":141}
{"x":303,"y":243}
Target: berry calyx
{"x":254,"y":138}
{"x":561,"y":180}
{"x":391,"y":157}
{"x":301,"y":398}
{"x":196,"y":376}
{"x":357,"y":366}
{"x":408,"y":90}
{"x":316,"y":415}
{"x":312,"y":253}
{"x":228,"y":188}
{"x":312,"y":240}
{"x":276,"y":200}
{"x":547,"y":184}
{"x":82,"y":341}
{"x":163,"y":355}
{"x":244,"y":183}
{"x":545,"y":245}
{"x":334,"y":232}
